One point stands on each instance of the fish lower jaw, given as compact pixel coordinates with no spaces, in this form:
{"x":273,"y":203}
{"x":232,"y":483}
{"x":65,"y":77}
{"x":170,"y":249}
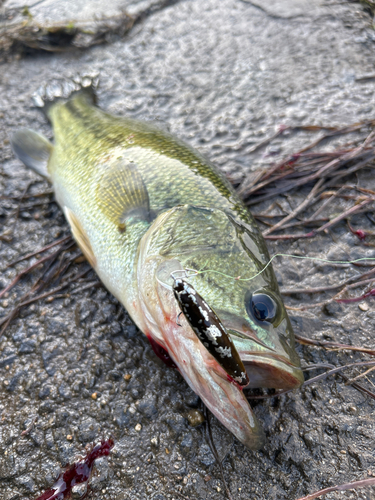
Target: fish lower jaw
{"x":208,"y":380}
{"x":272,"y":373}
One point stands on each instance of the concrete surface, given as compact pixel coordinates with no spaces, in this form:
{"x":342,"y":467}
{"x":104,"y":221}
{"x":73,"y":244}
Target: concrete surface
{"x":221,"y":75}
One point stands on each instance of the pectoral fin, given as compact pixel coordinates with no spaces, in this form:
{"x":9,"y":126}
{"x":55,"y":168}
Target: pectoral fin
{"x":80,"y":236}
{"x":122,"y":194}
{"x":33,"y":149}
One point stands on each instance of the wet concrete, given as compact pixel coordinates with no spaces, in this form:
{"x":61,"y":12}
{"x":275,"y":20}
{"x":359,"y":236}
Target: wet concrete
{"x":221,"y":76}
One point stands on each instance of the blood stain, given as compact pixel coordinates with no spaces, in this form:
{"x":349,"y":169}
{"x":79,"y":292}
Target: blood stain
{"x":161,"y":353}
{"x":77,"y":473}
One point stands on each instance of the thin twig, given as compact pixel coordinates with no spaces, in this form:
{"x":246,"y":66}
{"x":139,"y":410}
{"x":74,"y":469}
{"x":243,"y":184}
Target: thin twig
{"x":335,"y":298}
{"x":326,"y":203}
{"x":86,"y":287}
{"x":333,"y":345}
{"x":42,"y":250}
{"x":342,"y":487}
{"x":297,"y":210}
{"x":345,"y":214}
{"x":5,"y":321}
{"x":361,"y":375}
{"x":333,"y":371}
{"x":325,"y":288}
{"x":214,"y":450}
{"x":274,"y":237}
{"x":30,"y":427}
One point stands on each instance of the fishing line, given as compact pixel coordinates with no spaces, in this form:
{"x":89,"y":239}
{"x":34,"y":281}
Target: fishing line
{"x":193,"y":272}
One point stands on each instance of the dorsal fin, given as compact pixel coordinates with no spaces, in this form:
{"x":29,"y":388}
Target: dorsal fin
{"x":63,"y":89}
{"x":122,"y":194}
{"x":33,"y":149}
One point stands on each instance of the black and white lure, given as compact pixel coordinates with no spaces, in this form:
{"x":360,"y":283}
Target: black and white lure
{"x":210,"y":331}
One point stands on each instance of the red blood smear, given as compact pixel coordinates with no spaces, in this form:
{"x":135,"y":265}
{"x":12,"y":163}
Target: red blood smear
{"x":161,"y":353}
{"x":361,"y":234}
{"x":77,"y":473}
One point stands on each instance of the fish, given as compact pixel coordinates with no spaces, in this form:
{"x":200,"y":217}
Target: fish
{"x":162,"y":227}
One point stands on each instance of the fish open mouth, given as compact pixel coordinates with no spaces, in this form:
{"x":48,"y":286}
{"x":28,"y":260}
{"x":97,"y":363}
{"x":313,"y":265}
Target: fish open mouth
{"x":271,"y":371}
{"x":275,"y":367}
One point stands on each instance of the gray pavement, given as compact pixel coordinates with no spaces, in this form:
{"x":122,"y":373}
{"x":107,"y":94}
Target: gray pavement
{"x":222,"y":76}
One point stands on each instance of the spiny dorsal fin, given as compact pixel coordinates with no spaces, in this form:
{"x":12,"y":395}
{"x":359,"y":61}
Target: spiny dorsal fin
{"x":122,"y":194}
{"x":80,"y":236}
{"x":62,"y":89}
{"x":33,"y":149}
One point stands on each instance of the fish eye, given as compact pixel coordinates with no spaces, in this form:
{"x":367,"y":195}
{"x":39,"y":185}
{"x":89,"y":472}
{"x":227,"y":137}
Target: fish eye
{"x":262,"y":307}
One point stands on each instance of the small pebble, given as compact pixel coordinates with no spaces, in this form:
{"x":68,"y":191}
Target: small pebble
{"x":154,"y":441}
{"x":364,"y":307}
{"x":94,"y":395}
{"x":195,"y":418}
{"x":218,"y":489}
{"x":127,"y":376}
{"x":79,"y":490}
{"x":138,"y":427}
{"x":167,"y":451}
{"x":343,"y":452}
{"x":69,"y":437}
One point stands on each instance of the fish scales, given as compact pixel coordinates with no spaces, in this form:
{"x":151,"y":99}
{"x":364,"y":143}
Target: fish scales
{"x":144,"y":205}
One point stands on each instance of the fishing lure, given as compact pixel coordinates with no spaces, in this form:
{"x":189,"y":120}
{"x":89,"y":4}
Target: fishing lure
{"x":210,"y":330}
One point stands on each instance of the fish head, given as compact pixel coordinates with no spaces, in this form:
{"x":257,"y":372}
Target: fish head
{"x":224,"y":260}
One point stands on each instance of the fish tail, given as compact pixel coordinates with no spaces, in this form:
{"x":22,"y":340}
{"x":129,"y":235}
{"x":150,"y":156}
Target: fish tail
{"x":61,"y":90}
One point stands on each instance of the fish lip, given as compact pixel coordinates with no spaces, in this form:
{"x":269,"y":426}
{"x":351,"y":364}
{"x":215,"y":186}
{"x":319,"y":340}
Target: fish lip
{"x":268,"y":367}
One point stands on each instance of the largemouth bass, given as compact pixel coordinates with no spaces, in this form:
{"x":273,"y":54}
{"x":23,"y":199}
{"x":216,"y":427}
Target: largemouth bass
{"x":144,"y":207}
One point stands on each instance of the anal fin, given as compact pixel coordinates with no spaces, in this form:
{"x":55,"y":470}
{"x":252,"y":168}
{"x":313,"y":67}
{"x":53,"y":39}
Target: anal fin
{"x":80,"y":236}
{"x":33,"y":149}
